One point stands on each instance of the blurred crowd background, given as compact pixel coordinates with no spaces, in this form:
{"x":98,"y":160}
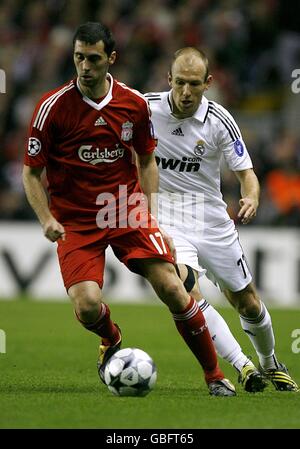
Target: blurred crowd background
{"x":253,"y":47}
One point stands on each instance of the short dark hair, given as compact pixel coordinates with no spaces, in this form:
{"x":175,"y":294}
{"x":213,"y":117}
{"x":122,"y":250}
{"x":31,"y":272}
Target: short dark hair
{"x":92,"y":32}
{"x":197,"y":52}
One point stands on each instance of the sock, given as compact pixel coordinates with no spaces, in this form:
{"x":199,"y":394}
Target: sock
{"x":103,"y":326}
{"x":226,"y":345}
{"x":260,"y":332}
{"x":193,"y":329}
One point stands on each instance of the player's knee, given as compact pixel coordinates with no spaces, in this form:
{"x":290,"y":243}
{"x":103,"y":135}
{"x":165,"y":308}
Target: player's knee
{"x":86,"y":307}
{"x":173,"y":290}
{"x":249,"y":310}
{"x":85,"y":303}
{"x":248,"y":303}
{"x":167,"y":285}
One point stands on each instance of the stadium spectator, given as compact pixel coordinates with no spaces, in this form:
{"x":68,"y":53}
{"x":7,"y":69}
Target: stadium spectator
{"x":283,"y":182}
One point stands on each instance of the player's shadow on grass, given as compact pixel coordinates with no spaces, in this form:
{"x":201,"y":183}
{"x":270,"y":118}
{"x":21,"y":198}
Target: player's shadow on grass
{"x":179,"y":391}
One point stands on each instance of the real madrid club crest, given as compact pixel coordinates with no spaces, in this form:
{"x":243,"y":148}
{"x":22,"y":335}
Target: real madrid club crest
{"x":199,"y":148}
{"x":126,"y":133}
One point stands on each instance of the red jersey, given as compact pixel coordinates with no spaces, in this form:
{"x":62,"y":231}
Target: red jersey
{"x":87,"y":147}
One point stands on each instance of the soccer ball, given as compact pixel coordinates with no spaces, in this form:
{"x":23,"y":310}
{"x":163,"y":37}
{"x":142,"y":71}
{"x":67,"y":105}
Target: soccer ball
{"x":130,"y":372}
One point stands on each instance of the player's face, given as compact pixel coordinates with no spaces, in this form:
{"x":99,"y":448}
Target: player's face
{"x":188,"y":85}
{"x":92,"y":63}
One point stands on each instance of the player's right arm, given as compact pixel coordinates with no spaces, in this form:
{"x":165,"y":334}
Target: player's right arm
{"x":41,"y":139}
{"x":38,"y":200}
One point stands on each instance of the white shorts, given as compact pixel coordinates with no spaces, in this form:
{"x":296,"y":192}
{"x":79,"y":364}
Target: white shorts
{"x":216,"y":252}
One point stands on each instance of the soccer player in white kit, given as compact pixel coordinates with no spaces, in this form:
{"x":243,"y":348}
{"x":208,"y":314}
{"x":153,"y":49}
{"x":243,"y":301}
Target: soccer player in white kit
{"x":192,"y":135}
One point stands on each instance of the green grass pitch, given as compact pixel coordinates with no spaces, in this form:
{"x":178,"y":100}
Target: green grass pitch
{"x":48,"y":376}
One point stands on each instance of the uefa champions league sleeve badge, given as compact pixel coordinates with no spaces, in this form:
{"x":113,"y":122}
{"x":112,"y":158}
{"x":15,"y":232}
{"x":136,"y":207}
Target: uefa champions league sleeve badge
{"x":34,"y":146}
{"x":238,"y":148}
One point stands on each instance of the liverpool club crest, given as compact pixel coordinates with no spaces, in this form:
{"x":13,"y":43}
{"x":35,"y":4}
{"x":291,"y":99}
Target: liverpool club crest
{"x":126,"y":133}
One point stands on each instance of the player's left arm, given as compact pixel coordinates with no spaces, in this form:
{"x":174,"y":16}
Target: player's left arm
{"x":148,"y":178}
{"x":250,"y":191}
{"x":234,"y":150}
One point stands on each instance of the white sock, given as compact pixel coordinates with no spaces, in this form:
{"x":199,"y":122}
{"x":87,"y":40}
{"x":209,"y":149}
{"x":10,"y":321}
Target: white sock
{"x":226,"y":345}
{"x":260,"y":332}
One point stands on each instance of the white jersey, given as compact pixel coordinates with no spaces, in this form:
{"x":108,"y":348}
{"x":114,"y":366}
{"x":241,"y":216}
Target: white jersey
{"x":189,"y":155}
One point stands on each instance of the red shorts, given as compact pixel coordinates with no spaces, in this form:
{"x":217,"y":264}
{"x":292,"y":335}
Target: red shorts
{"x":82,"y":254}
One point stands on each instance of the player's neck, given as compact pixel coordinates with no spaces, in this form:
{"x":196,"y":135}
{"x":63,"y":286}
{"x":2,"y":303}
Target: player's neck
{"x":179,"y":115}
{"x":95,"y":93}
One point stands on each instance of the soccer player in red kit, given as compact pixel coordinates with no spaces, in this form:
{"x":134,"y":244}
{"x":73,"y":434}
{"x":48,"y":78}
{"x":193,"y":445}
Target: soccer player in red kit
{"x":93,"y":136}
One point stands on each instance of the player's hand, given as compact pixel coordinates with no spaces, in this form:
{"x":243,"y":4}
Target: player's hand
{"x":248,"y":209}
{"x":53,"y":230}
{"x":168,"y":239}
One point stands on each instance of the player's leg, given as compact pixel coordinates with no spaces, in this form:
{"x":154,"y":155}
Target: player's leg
{"x":144,"y":251}
{"x":225,"y":343}
{"x":82,"y":265}
{"x":222,"y":255}
{"x":92,"y":312}
{"x":189,"y":321}
{"x":94,"y":315}
{"x":256,"y":322}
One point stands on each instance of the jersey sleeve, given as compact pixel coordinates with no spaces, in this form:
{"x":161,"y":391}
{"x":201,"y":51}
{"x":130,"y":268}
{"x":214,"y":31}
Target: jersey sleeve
{"x":232,"y":145}
{"x":39,"y":138}
{"x":143,"y":136}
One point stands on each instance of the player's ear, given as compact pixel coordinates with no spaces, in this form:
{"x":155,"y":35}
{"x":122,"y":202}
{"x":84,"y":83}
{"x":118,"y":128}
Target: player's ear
{"x":112,"y":57}
{"x":170,"y":79}
{"x":208,"y":82}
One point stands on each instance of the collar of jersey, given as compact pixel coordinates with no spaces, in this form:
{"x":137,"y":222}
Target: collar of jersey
{"x":201,"y":112}
{"x":105,"y":100}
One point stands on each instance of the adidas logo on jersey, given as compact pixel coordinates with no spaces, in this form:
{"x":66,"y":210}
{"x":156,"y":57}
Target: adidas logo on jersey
{"x":177,"y":132}
{"x":100,"y":121}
